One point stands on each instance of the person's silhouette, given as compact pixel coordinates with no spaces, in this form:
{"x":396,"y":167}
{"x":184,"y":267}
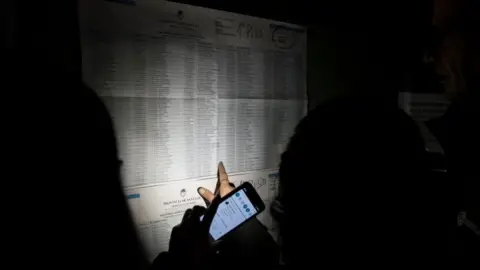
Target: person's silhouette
{"x":456,"y":58}
{"x":365,"y":190}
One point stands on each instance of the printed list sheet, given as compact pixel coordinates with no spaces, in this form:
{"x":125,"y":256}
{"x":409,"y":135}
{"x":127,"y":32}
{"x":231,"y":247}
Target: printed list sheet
{"x":188,"y":87}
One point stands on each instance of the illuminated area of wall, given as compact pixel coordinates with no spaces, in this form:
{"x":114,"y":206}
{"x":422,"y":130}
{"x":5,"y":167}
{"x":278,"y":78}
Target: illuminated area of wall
{"x":188,"y":87}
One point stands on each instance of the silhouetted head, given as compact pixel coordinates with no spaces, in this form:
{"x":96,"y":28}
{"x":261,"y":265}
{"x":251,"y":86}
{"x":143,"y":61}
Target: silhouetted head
{"x":352,"y":172}
{"x":352,"y":177}
{"x":456,"y":50}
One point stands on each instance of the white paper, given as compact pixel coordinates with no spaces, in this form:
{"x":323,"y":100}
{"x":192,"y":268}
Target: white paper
{"x":156,"y":209}
{"x":188,"y":87}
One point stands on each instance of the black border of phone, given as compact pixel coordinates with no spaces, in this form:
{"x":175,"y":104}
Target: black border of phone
{"x":255,"y":199}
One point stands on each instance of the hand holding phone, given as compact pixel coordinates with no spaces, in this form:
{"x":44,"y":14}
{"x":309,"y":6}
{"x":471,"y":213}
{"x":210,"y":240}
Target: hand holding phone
{"x":190,"y":243}
{"x":237,"y":206}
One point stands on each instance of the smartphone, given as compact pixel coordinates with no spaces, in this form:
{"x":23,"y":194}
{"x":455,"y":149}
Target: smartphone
{"x":239,"y":206}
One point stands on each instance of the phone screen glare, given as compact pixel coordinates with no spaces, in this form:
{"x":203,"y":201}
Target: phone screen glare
{"x":231,"y":213}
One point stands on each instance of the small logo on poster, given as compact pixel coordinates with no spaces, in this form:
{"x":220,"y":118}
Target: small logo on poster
{"x":183,"y":192}
{"x":283,"y":36}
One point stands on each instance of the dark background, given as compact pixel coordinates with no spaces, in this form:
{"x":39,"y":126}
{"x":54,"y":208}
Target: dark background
{"x":42,"y":37}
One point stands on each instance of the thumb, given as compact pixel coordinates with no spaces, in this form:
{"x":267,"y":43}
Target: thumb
{"x":206,"y":194}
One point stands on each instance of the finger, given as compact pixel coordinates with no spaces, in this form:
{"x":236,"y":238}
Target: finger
{"x":225,"y":188}
{"x":206,"y":194}
{"x":197,"y":212}
{"x":224,"y":184}
{"x":210,"y":214}
{"x":217,"y":185}
{"x":174,"y":233}
{"x":192,"y":222}
{"x":187,"y":214}
{"x":222,"y":174}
